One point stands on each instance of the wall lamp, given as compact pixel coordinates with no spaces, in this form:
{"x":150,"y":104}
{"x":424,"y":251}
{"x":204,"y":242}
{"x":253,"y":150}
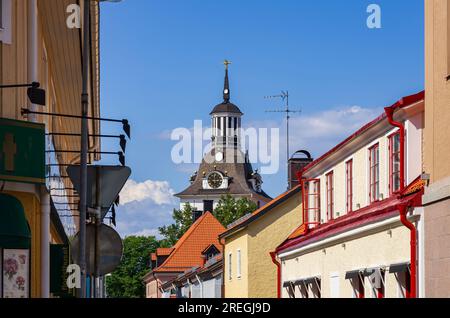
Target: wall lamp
{"x":119,"y":153}
{"x":123,"y":140}
{"x":35,"y":94}
{"x":125,"y":124}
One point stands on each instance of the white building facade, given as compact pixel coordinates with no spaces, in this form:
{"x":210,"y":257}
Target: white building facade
{"x":358,"y":200}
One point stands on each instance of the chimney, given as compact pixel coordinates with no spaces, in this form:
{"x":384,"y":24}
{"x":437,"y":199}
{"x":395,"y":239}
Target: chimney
{"x":296,"y":163}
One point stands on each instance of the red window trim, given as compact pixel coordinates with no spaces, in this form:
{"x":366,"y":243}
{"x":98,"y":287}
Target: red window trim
{"x":349,"y":185}
{"x":391,"y":162}
{"x":330,"y":195}
{"x":371,"y":185}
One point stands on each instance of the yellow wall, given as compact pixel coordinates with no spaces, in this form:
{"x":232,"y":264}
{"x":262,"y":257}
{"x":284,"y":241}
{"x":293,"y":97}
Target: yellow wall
{"x":437,"y":68}
{"x":32,"y":209}
{"x":437,"y":148}
{"x":59,"y":73}
{"x":236,"y":287}
{"x":262,"y":236}
{"x":382,"y":247}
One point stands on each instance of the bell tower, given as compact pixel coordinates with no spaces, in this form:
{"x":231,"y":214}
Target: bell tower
{"x":226,"y":119}
{"x":226,"y":169}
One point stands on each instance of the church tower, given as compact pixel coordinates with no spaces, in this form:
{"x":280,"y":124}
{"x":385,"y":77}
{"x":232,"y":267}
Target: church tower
{"x":226,"y":120}
{"x":226,"y":169}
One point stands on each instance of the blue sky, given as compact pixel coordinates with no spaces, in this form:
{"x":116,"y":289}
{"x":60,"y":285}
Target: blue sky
{"x":161,"y":68}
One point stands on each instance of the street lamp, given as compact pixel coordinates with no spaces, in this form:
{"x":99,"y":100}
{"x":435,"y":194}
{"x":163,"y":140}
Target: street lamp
{"x":84,"y":141}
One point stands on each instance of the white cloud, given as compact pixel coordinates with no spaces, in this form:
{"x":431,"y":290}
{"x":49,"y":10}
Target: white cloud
{"x":318,"y":132}
{"x":145,"y":206}
{"x":157,"y":191}
{"x":147,"y":232}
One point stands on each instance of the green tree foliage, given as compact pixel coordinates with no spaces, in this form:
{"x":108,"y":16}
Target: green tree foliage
{"x":230,"y":209}
{"x":183,"y":221}
{"x":126,"y":280}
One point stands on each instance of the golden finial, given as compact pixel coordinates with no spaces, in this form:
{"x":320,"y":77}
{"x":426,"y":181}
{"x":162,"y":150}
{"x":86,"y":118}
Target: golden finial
{"x":226,"y":63}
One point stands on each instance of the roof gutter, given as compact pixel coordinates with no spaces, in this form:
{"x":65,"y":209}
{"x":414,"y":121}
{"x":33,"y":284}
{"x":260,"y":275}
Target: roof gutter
{"x":273,"y":255}
{"x":403,"y":208}
{"x":223,"y":267}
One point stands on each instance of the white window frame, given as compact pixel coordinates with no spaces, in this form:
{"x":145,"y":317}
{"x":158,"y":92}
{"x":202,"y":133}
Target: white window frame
{"x":238,"y":263}
{"x":230,"y":266}
{"x":6,"y":27}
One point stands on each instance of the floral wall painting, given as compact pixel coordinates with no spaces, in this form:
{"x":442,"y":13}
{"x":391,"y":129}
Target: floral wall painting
{"x":16,"y":268}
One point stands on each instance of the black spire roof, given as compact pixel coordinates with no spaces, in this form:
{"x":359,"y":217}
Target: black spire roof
{"x":226,"y":106}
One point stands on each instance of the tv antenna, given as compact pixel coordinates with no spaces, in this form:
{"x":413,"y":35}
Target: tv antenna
{"x":284,"y":96}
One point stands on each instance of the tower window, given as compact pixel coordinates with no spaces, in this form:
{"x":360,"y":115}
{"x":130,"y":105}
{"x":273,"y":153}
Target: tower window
{"x":224,"y":126}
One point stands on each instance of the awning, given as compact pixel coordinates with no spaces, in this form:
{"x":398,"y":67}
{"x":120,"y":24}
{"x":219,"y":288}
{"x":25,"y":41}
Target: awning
{"x":306,"y":281}
{"x":14,"y":229}
{"x":56,"y":221}
{"x":298,"y":282}
{"x":287,"y":284}
{"x":371,"y":271}
{"x":399,"y":268}
{"x":312,"y":280}
{"x":353,"y":274}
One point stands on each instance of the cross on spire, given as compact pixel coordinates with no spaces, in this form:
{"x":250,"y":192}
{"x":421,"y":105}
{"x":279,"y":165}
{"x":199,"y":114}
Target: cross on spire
{"x":226,"y":86}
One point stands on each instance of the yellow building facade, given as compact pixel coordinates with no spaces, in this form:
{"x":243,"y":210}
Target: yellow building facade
{"x":248,"y":268}
{"x":437,"y":148}
{"x":36,"y":45}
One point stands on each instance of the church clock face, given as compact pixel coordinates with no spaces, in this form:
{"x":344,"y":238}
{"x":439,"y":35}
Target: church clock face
{"x":215,"y":180}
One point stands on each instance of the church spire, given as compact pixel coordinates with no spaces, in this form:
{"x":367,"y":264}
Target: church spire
{"x":226,"y":86}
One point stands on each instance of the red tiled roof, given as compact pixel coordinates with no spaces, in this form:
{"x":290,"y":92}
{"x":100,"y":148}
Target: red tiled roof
{"x":187,"y":252}
{"x":164,"y":251}
{"x":153,"y":256}
{"x":404,"y":102}
{"x":262,"y":210}
{"x":375,"y":212}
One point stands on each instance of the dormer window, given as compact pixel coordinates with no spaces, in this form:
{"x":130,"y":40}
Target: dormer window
{"x":210,"y":252}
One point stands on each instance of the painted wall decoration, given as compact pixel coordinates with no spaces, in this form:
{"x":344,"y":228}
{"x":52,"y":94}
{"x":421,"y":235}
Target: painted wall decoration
{"x":16,"y":273}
